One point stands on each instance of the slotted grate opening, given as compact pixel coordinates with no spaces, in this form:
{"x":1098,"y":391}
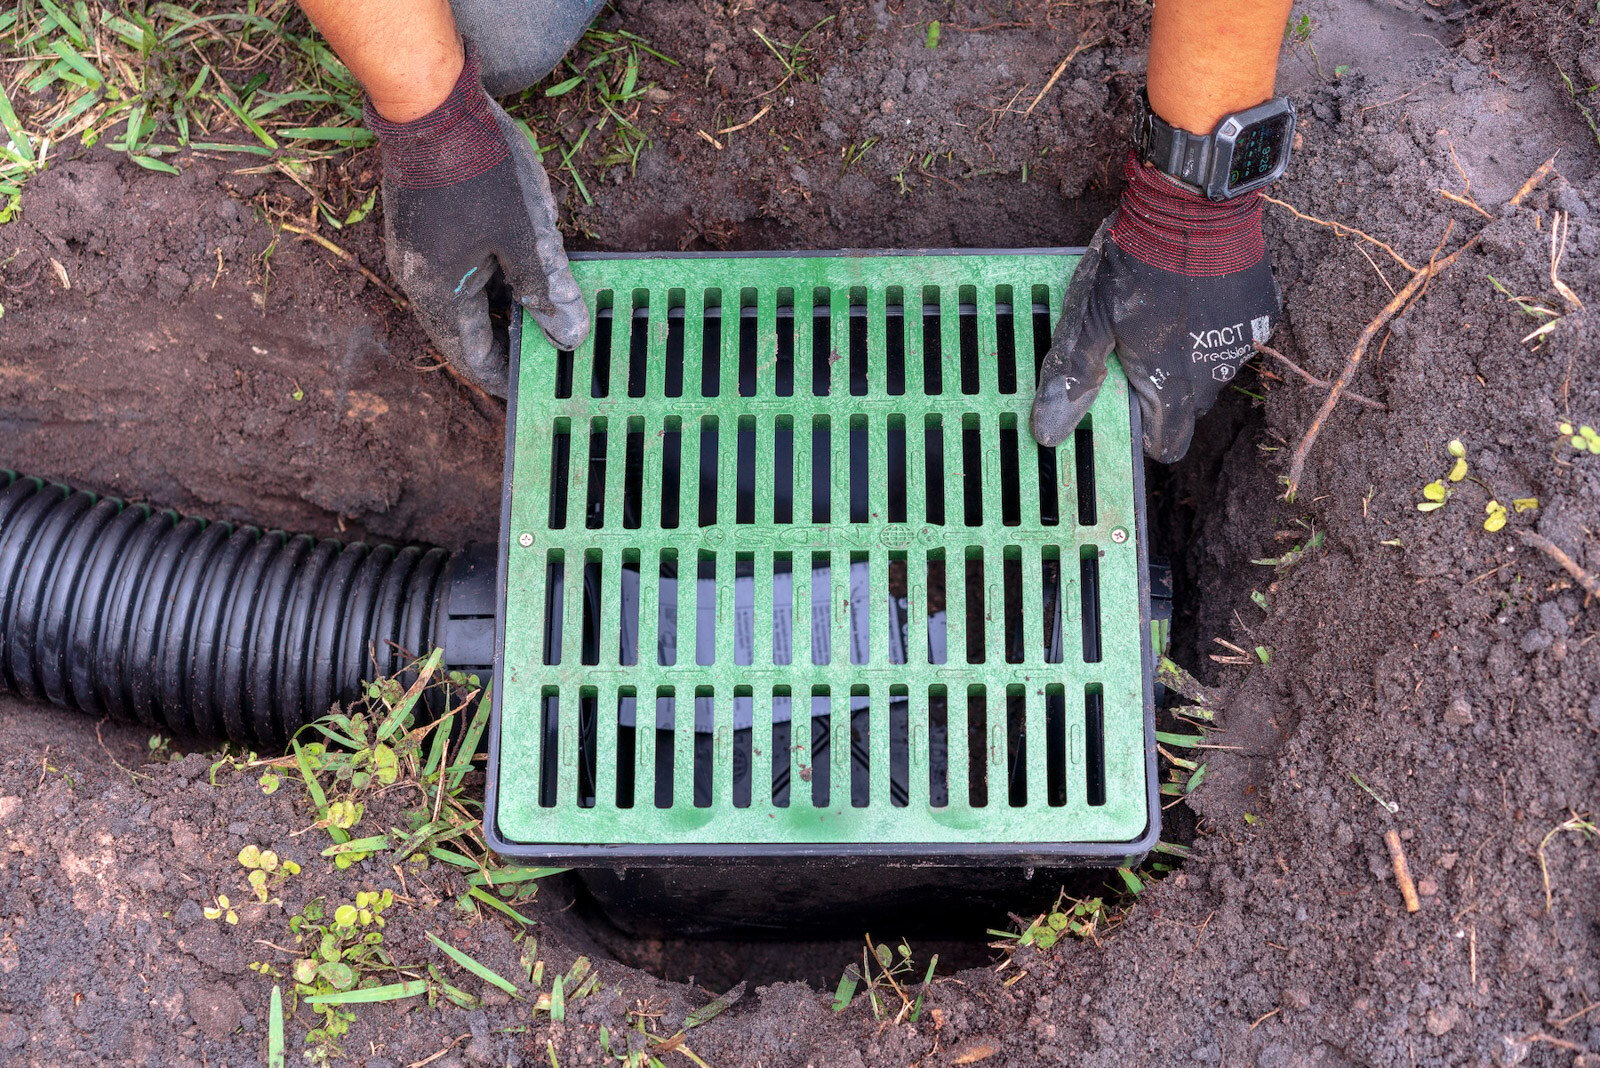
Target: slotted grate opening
{"x":807,"y":524}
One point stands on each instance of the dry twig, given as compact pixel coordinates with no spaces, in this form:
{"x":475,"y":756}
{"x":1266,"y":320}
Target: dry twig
{"x":1308,"y":377}
{"x":1297,"y":462}
{"x":751,"y":121}
{"x":1402,"y":870}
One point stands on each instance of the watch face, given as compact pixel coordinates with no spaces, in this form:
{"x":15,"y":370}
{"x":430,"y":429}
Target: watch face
{"x":1257,"y":150}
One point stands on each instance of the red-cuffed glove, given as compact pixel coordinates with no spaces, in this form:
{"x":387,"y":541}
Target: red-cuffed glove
{"x":463,"y":196}
{"x":1180,"y":286}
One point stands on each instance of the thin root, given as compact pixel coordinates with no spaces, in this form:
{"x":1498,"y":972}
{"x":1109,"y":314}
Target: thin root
{"x":388,"y":290}
{"x":1534,"y":179}
{"x":1466,"y":201}
{"x":1342,"y":229}
{"x":1297,"y":462}
{"x":1402,"y":870}
{"x":1061,"y":68}
{"x":1311,"y":379}
{"x":1585,"y":578}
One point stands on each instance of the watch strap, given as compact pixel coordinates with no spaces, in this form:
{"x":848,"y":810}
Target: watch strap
{"x":1174,"y":152}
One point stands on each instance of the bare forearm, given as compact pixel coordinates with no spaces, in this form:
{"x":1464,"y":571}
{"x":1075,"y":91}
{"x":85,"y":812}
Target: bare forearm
{"x":405,"y":53}
{"x":1212,"y":57}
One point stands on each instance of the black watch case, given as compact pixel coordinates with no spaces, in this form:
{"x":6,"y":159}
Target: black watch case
{"x":1248,"y":149}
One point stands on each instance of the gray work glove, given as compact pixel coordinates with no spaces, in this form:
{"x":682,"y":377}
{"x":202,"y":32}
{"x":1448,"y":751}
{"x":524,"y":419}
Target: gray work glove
{"x":464,"y":194}
{"x":1181,"y":287}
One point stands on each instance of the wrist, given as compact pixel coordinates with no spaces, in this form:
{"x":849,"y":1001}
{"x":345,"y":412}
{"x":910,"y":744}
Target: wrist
{"x":456,"y":141}
{"x":1167,"y":226}
{"x":409,"y":94}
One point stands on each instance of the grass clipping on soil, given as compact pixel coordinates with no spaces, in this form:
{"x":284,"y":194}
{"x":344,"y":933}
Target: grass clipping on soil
{"x":338,"y":949}
{"x":254,"y":83}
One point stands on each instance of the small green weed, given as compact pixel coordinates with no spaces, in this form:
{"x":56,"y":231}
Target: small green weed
{"x":343,"y":951}
{"x":1183,"y":774}
{"x":1538,"y":308}
{"x":1584,"y":438}
{"x":578,"y":981}
{"x":886,"y":971}
{"x":1070,"y":917}
{"x":1578,"y":96}
{"x":267,"y":872}
{"x":252,"y":78}
{"x":853,"y":154}
{"x":222,"y":910}
{"x":1298,"y":35}
{"x":1288,"y":559}
{"x":344,"y":761}
{"x":1438,"y":493}
{"x":638,"y":1047}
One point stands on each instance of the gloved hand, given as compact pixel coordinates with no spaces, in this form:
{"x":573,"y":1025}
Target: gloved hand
{"x":463,"y":193}
{"x":1181,"y":287}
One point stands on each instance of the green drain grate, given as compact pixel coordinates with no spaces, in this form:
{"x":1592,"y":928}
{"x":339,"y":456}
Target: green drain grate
{"x":787,"y":576}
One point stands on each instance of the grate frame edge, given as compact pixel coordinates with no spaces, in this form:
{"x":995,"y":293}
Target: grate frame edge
{"x":910,"y":854}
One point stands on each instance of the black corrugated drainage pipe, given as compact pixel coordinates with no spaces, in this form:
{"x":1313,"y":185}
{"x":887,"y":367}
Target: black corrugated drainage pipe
{"x":215,"y":629}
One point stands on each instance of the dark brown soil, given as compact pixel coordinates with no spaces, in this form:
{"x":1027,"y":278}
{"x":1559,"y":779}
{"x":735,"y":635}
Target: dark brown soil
{"x":1453,"y":670}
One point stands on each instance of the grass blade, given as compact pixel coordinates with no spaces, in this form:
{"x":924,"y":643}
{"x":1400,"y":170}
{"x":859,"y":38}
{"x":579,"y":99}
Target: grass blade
{"x":226,"y":100}
{"x":469,"y":740}
{"x":558,"y":999}
{"x":706,"y":1013}
{"x":347,"y":135}
{"x":72,"y":28}
{"x":487,"y":974}
{"x":402,"y":710}
{"x":151,"y":164}
{"x":71,"y":58}
{"x":314,"y":789}
{"x":1187,"y":741}
{"x":450,"y":856}
{"x":927,"y":980}
{"x":13,"y":126}
{"x":358,"y":845}
{"x":846,"y":990}
{"x":496,"y":903}
{"x":367,"y":995}
{"x":507,"y":876}
{"x":275,"y":1058}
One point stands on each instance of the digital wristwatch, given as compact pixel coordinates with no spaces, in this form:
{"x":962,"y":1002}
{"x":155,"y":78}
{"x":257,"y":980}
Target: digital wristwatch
{"x":1247,"y":150}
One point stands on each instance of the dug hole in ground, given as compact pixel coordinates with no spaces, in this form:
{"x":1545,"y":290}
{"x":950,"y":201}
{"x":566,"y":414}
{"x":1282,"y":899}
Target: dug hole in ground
{"x":1388,"y":669}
